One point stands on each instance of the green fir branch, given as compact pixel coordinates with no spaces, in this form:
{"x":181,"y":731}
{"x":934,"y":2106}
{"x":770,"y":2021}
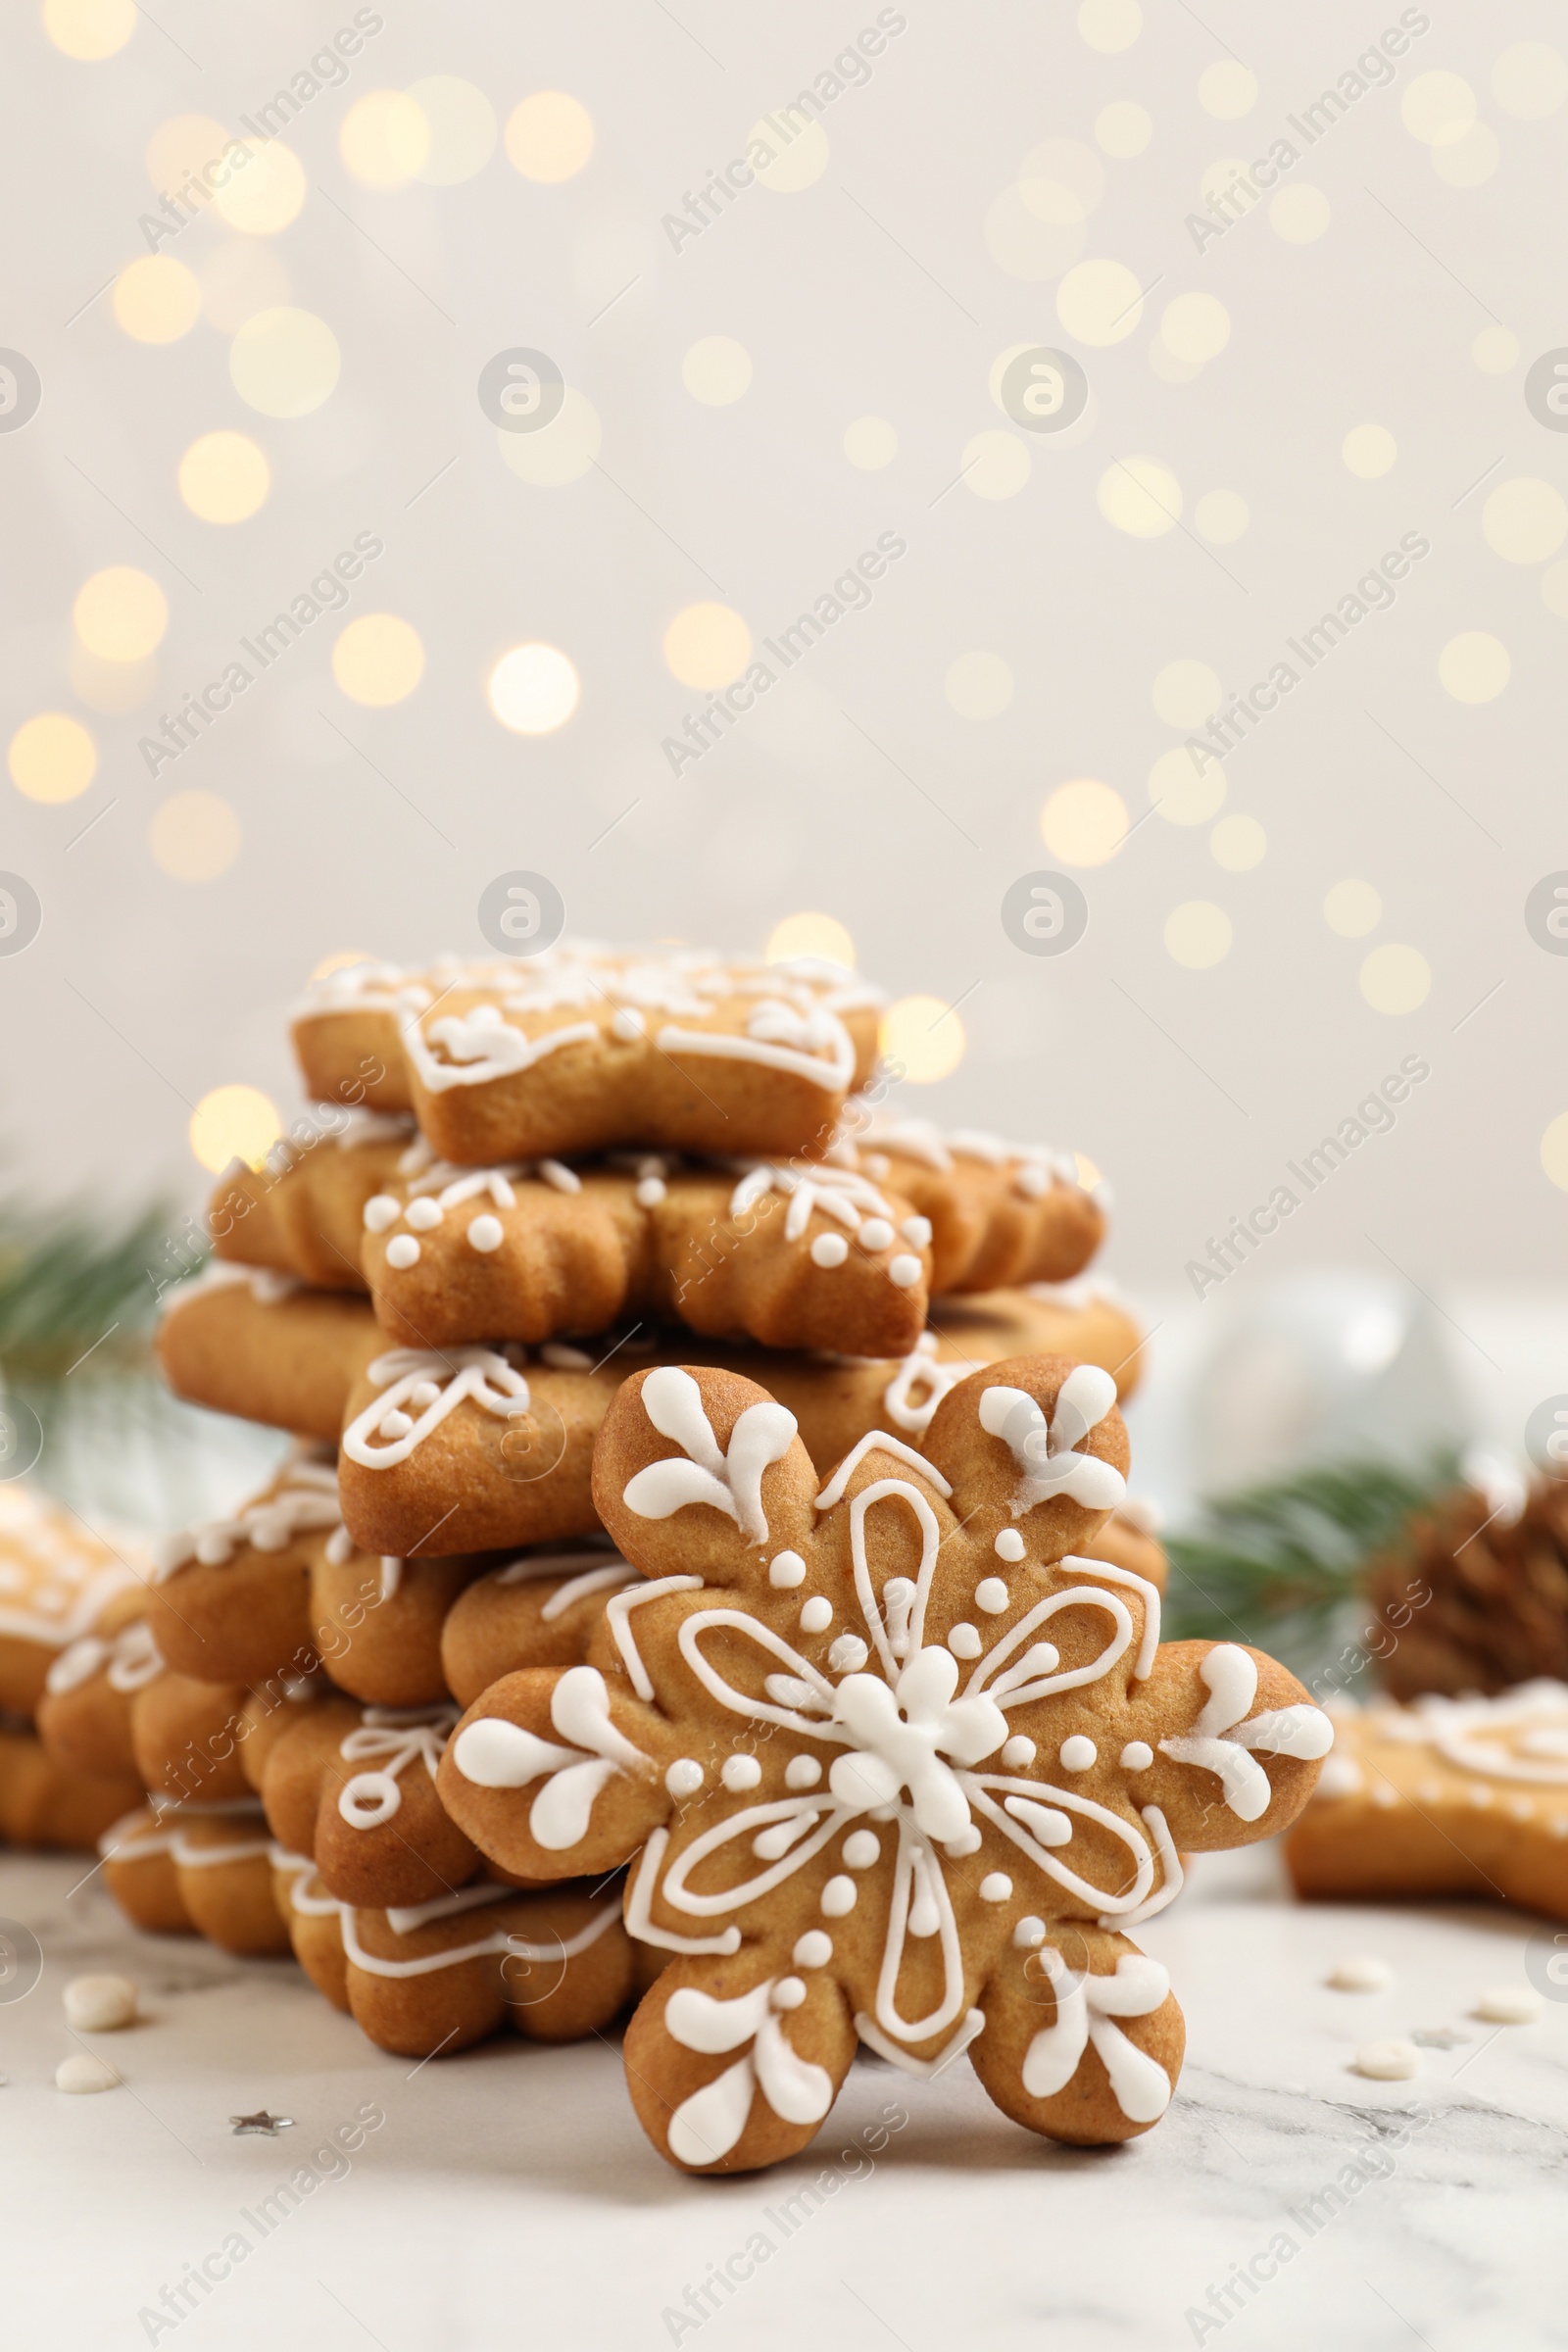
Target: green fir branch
{"x":70,"y":1292}
{"x":1274,"y":1564}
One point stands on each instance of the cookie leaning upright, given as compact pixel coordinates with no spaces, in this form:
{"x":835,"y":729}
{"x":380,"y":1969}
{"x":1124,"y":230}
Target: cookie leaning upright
{"x":898,"y":1764}
{"x":580,"y":1050}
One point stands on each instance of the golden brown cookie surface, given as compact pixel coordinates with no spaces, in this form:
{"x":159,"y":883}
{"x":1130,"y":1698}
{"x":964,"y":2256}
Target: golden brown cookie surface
{"x":1448,"y":1796}
{"x":900,"y":1760}
{"x":580,"y":1050}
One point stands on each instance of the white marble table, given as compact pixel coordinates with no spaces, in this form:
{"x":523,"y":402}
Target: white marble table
{"x":510,"y":2199}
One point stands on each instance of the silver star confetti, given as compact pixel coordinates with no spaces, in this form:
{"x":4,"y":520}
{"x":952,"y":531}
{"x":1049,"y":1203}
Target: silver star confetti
{"x":260,"y":2122}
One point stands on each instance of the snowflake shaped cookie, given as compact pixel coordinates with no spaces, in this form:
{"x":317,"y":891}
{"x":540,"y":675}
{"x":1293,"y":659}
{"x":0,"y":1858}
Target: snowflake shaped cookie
{"x":895,"y":1766}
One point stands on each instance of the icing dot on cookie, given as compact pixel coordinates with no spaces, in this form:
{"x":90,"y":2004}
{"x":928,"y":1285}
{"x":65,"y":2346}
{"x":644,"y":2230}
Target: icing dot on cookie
{"x":684,"y":1777}
{"x":991,"y":1594}
{"x":829,"y":1250}
{"x":402,"y":1251}
{"x":395,"y":1424}
{"x":1388,"y":2061}
{"x":903,"y":1271}
{"x":1521,"y":1807}
{"x":964,"y":1642}
{"x":1341,"y":1775}
{"x":1018,"y":1753}
{"x":838,"y":1896}
{"x":1137,"y":1756}
{"x":1078,"y":1754}
{"x":967,"y":1842}
{"x":627,"y":1024}
{"x":741,"y":1772}
{"x":801,"y":1772}
{"x":995,"y":1886}
{"x":484,"y":1234}
{"x":1029,"y":1934}
{"x":862,"y":1849}
{"x":1479,"y":1798}
{"x":1508,"y":2005}
{"x":651,"y":1191}
{"x":1384,"y":1796}
{"x":1363,"y":1972}
{"x":848,"y":1654}
{"x":813,"y":1949}
{"x":1008,"y":1546}
{"x":875,"y":1234}
{"x":788,"y":1994}
{"x":423,"y":1215}
{"x":1430,"y":1791}
{"x":916,"y":1230}
{"x":817,"y":1614}
{"x":787,"y":1569}
{"x":380,"y":1212}
{"x":424,"y":1393}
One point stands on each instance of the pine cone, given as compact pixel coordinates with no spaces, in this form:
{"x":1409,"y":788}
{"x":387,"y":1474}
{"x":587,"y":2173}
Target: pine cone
{"x":1467,"y":1600}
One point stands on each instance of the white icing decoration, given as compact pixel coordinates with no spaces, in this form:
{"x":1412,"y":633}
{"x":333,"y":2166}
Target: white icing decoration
{"x":458,"y":1373}
{"x":877,"y":1440}
{"x":1008,"y":1545}
{"x":1087,"y":2007}
{"x":838,"y":1897}
{"x":1522,"y":1735}
{"x":920,"y":1371}
{"x":592,"y":1580}
{"x":494,"y":1753}
{"x":732,"y":1481}
{"x":706,"y":2125}
{"x":829,"y":1250}
{"x":801,"y":1772}
{"x":684,"y":1777}
{"x":1219,"y":1741}
{"x":402,"y":1251}
{"x":816,"y":1615}
{"x":875,"y":1235}
{"x":1079,"y":1754}
{"x":399,"y":1736}
{"x":1047,"y":1463}
{"x":1018,"y":1753}
{"x":848,"y":1654}
{"x":786,"y":1569}
{"x":486,"y":1234}
{"x":992,"y":1596}
{"x":862,"y":1849}
{"x":903,"y":1272}
{"x":1136,"y":1756}
{"x":963,"y":1639}
{"x":995,"y":1887}
{"x":814,"y":1044}
{"x":740,"y":1772}
{"x":304,"y":1503}
{"x":813,"y":1949}
{"x":617,"y":1617}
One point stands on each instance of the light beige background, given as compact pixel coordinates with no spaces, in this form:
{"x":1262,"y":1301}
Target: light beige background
{"x":875,"y":291}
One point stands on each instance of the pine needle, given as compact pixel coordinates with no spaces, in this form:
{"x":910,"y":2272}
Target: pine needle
{"x":1276,"y":1564}
{"x":67,"y":1290}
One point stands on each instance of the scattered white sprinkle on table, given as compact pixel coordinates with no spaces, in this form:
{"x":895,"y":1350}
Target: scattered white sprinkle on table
{"x":100,"y":2004}
{"x":1388,"y":2061}
{"x":1508,"y":2005}
{"x":84,"y":2072}
{"x":1362,"y":1973}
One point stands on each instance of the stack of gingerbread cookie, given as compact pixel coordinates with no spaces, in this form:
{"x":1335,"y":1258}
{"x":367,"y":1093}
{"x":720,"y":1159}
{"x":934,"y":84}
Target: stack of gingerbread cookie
{"x":748,"y":1466}
{"x":59,"y":1581}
